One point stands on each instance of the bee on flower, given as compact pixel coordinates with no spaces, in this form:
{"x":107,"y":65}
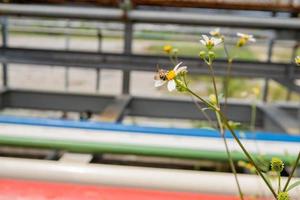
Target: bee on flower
{"x":210,"y":42}
{"x":297,"y":60}
{"x":244,"y":38}
{"x":164,"y":76}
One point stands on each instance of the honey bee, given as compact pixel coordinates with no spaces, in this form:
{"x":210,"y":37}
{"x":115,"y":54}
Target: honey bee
{"x":161,"y":74}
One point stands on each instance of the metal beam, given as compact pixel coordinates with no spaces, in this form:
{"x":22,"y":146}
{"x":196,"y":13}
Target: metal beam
{"x":287,"y":123}
{"x":54,"y":101}
{"x":143,"y":16}
{"x":115,"y":111}
{"x":138,"y":106}
{"x":289,"y":83}
{"x":185,"y":109}
{"x":135,"y":62}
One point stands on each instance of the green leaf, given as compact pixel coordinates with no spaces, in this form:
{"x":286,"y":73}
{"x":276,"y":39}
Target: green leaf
{"x":292,"y":186}
{"x":205,"y":109}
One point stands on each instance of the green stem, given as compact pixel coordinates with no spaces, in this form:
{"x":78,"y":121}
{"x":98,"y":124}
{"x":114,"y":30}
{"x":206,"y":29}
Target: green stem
{"x":292,"y":173}
{"x":171,"y":59}
{"x":213,"y":80}
{"x":223,"y":132}
{"x":227,"y":80}
{"x":225,"y":120}
{"x":253,"y":116}
{"x":246,"y":153}
{"x":229,"y":157}
{"x":279,"y":183}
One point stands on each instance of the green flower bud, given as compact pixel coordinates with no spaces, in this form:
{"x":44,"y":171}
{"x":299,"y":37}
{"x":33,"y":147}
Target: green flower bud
{"x":277,"y":165}
{"x":283,"y":196}
{"x":202,"y":54}
{"x":175,"y":51}
{"x":180,"y":86}
{"x":211,"y":55}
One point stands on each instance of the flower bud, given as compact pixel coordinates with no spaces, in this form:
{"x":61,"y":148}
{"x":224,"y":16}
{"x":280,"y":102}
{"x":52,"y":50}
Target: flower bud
{"x":175,"y":51}
{"x":211,"y":55}
{"x":202,"y":54}
{"x":283,"y":196}
{"x":213,"y":99}
{"x":180,"y":86}
{"x":277,"y":165}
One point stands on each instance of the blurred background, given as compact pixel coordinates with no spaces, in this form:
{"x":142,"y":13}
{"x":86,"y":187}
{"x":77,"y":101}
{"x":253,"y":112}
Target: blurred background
{"x":81,"y":118}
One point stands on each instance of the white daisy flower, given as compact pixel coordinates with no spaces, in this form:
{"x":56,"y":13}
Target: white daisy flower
{"x":216,"y":32}
{"x":210,"y":42}
{"x":246,"y":37}
{"x":163,"y":77}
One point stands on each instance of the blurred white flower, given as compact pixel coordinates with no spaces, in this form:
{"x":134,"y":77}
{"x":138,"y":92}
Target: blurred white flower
{"x":216,"y":32}
{"x":297,"y":60}
{"x":210,"y":42}
{"x":244,"y":38}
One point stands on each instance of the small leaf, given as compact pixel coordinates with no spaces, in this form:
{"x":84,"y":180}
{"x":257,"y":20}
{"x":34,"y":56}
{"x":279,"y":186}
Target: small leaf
{"x":204,"y":109}
{"x":297,"y":183}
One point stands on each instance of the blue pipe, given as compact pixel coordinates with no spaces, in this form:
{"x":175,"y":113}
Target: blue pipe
{"x":62,"y":123}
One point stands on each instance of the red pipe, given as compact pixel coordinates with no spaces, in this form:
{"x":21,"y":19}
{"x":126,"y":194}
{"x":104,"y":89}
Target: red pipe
{"x":36,"y":190}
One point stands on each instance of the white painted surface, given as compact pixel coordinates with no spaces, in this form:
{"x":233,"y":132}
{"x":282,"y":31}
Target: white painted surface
{"x":142,"y":139}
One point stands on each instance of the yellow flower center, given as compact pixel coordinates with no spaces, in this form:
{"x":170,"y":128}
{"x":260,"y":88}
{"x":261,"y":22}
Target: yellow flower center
{"x":246,"y":37}
{"x":242,"y":41}
{"x":210,"y":43}
{"x":171,"y":75}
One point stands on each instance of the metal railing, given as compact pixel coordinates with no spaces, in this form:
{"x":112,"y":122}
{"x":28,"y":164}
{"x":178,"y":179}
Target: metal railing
{"x":284,"y":73}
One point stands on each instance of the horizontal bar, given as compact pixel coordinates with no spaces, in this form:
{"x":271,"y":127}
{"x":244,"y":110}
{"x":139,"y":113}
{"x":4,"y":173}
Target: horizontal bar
{"x":119,"y":148}
{"x":138,"y":177}
{"x":54,"y":101}
{"x":103,"y":126}
{"x":149,"y":16}
{"x":61,"y":12}
{"x":138,"y":106}
{"x":141,"y":62}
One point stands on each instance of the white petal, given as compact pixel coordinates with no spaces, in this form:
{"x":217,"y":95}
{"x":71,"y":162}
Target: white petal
{"x":252,"y":39}
{"x":175,"y":68}
{"x":171,"y":85}
{"x":206,"y":38}
{"x":217,"y":41}
{"x":181,"y":69}
{"x":158,"y":83}
{"x":215,"y":31}
{"x":240,"y":34}
{"x":203,"y":42}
